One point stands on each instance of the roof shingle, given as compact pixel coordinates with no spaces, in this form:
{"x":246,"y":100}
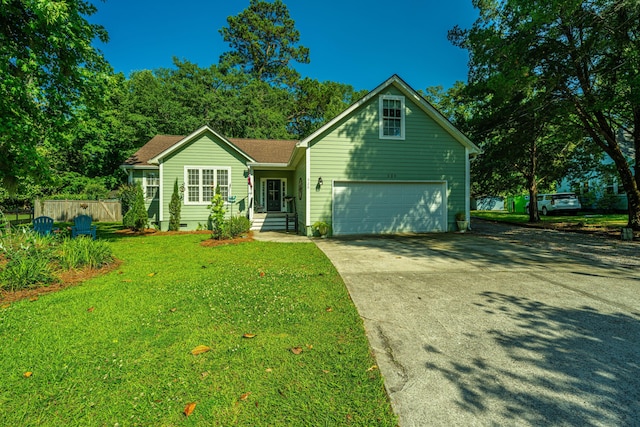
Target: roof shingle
{"x":260,"y":150}
{"x":148,"y":151}
{"x":266,"y":150}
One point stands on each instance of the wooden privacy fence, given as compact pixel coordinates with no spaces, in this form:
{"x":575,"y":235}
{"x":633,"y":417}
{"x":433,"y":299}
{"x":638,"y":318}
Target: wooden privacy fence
{"x":67,"y":210}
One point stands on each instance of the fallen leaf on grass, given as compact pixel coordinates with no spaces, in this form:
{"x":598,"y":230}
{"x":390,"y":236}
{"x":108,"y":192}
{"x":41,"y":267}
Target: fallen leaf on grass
{"x":90,"y":309}
{"x":248,"y":335}
{"x":151,"y":274}
{"x":173,"y":309}
{"x":200,"y":349}
{"x":27,"y":374}
{"x":262,"y":274}
{"x":310,"y":346}
{"x":188,"y":410}
{"x":296,"y":350}
{"x":373,"y":368}
{"x":245,"y":396}
{"x":127,"y":280}
{"x":329,"y":309}
{"x":32,"y":299}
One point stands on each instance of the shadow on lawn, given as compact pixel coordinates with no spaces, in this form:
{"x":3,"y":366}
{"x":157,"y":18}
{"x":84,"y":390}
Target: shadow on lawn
{"x":560,"y":366}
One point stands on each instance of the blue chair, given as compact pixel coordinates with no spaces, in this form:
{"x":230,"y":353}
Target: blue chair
{"x":83,"y":227}
{"x":43,"y":225}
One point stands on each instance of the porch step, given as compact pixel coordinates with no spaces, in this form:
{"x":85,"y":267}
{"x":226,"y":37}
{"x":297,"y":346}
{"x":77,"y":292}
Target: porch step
{"x":273,"y":221}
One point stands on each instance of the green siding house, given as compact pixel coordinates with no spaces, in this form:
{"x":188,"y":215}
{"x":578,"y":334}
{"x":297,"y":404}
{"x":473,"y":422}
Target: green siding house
{"x":390,"y":163}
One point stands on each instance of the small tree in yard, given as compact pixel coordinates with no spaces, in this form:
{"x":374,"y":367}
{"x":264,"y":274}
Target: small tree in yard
{"x":218,"y":225}
{"x":174,"y":208}
{"x":137,"y":218}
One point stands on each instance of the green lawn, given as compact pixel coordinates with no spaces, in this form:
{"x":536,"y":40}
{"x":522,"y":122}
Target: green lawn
{"x":116,"y":350}
{"x":583,"y":219}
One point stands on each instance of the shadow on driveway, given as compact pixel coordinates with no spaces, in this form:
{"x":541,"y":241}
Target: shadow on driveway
{"x":485,"y":329}
{"x":562,"y":367}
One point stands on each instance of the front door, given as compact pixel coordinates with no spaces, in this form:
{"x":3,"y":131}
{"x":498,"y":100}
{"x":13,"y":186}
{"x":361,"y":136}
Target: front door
{"x":274,"y":188}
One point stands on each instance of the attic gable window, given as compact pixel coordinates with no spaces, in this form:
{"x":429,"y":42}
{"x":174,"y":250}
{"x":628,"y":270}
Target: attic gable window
{"x":391,"y":117}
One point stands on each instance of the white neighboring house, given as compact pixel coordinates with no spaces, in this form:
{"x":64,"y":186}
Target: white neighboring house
{"x":488,"y":203}
{"x":601,"y":188}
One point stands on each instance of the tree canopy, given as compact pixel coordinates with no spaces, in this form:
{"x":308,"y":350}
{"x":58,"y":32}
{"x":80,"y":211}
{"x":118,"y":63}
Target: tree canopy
{"x":264,"y":43}
{"x":580,"y":56}
{"x":48,"y":70}
{"x":68,"y":118}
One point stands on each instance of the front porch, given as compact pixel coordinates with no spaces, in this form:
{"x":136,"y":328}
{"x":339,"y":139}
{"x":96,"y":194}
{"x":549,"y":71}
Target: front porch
{"x":273,"y":200}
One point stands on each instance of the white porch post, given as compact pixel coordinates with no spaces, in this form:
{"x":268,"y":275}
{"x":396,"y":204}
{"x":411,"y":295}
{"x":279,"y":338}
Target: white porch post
{"x":250,"y":184}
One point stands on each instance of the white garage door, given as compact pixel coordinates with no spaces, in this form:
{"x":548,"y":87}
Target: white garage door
{"x":385,"y":207}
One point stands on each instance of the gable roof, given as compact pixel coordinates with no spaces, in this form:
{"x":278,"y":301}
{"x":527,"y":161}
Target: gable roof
{"x":253,"y":150}
{"x":403,"y":87}
{"x":266,"y":150}
{"x":151,"y":149}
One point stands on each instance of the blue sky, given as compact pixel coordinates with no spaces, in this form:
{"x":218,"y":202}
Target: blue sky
{"x":360,"y":43}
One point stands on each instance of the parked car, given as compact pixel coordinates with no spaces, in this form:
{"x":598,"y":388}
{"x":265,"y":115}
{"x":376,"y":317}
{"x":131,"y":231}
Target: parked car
{"x":557,"y":203}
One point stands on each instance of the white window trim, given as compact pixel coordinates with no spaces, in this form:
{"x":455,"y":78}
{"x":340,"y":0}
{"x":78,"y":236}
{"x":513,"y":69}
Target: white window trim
{"x":381,"y":100}
{"x":201,"y":202}
{"x":145,"y":184}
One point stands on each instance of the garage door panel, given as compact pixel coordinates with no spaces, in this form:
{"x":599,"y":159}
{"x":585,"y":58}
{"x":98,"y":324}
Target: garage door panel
{"x":375,"y":208}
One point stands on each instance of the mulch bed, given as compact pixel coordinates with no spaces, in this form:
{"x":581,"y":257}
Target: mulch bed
{"x":207,"y":243}
{"x":65,"y":280}
{"x":210,"y":243}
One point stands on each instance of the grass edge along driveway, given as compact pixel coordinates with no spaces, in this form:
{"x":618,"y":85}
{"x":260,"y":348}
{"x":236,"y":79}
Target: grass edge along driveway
{"x":116,"y":350}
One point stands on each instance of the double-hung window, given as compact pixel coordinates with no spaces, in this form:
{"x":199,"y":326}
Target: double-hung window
{"x":201,"y":183}
{"x":392,"y":117}
{"x":151,"y":184}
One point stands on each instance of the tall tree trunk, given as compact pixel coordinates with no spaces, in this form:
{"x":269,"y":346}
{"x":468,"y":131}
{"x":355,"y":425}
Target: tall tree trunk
{"x":532,"y":183}
{"x":598,"y":127}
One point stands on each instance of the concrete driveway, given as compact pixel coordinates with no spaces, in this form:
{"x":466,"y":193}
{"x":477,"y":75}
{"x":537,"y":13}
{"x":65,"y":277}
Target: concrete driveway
{"x":471,"y":329}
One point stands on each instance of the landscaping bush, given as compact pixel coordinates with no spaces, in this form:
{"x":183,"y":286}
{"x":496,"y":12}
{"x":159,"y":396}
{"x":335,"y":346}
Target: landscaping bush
{"x":83,"y":252}
{"x":136,"y":217}
{"x":174,"y":208}
{"x":31,"y":259}
{"x":127,"y":195}
{"x":238,"y":226}
{"x":218,"y":224}
{"x":25,"y":270}
{"x":27,"y":256}
{"x":14,"y":242}
{"x":607,"y":202}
